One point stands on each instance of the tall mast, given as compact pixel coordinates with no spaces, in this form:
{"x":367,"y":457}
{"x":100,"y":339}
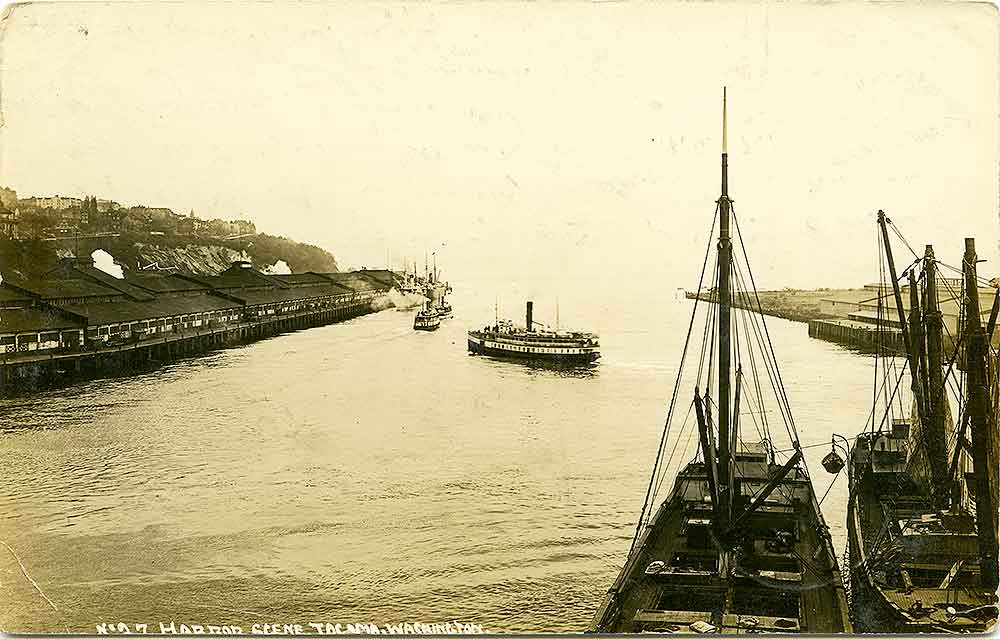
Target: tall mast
{"x":911,"y":357}
{"x":983,"y":452}
{"x":934,"y":435}
{"x":725,"y":266}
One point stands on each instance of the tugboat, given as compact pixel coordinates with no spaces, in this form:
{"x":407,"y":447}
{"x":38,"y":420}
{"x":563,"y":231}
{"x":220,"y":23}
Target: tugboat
{"x":427,"y":318}
{"x":444,"y":309}
{"x":739,"y":545}
{"x":922,"y":527}
{"x":534,"y":342}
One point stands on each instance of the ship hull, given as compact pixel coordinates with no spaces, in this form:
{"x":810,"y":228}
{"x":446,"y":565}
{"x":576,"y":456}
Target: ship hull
{"x":480,"y":347}
{"x":896,"y":569}
{"x":680,"y":575}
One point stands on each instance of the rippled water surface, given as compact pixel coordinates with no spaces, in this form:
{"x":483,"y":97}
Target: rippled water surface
{"x":362,"y":472}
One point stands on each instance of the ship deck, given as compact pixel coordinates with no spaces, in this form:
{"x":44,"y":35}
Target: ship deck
{"x":909,"y":562}
{"x":537,"y":338}
{"x":783,"y":577}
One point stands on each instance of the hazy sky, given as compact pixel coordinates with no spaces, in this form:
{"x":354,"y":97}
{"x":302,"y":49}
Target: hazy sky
{"x":577,"y":141}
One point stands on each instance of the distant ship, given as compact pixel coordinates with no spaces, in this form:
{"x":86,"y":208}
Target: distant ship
{"x":503,"y":339}
{"x":738,"y":545}
{"x":444,"y":308}
{"x":922,"y":510}
{"x":409,"y":293}
{"x":436,"y":291}
{"x":427,"y":319}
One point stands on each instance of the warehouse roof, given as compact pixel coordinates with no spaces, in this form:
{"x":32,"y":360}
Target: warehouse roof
{"x":132,"y":311}
{"x":19,"y":320}
{"x":299,"y":279}
{"x":274,"y":295}
{"x":58,"y":289}
{"x":10,"y":295}
{"x":113,"y":282}
{"x":165,"y":283}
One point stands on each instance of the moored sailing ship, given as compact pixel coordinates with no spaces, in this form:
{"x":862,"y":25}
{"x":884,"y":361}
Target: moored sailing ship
{"x":739,"y":544}
{"x":922,"y":511}
{"x":534,"y":342}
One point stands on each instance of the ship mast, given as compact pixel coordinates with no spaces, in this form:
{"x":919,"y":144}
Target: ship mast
{"x":934,"y":435}
{"x":983,"y":431}
{"x":725,"y":295}
{"x":911,"y":350}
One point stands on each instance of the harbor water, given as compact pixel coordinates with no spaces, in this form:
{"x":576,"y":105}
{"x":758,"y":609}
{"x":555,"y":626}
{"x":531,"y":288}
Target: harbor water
{"x":363,"y":472}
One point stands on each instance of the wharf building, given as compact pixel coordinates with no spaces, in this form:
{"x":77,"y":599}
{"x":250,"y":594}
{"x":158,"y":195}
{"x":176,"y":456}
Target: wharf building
{"x":867,"y":318}
{"x":75,"y":314}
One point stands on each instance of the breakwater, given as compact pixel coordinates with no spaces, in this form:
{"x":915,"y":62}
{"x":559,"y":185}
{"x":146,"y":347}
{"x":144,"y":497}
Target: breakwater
{"x":855,"y":318}
{"x":795,"y":305}
{"x":79,"y":322}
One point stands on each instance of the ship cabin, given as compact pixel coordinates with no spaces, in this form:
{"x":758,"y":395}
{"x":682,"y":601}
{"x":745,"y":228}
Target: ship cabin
{"x":884,"y":452}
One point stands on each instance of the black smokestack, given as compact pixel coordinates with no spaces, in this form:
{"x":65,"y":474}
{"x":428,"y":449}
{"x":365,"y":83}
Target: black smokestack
{"x":528,"y":317}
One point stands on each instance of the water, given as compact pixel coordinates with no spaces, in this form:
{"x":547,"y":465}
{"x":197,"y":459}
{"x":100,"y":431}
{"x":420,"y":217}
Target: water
{"x":365,"y":473}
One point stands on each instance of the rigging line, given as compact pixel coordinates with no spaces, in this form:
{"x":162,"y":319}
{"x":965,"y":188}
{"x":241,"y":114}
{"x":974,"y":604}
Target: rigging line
{"x":770,"y":366}
{"x":807,"y":563}
{"x":895,"y":388}
{"x":781,"y":386}
{"x":832,"y":482}
{"x":711,"y":343}
{"x":748,"y":322}
{"x":711,"y":366}
{"x":750,"y":397}
{"x":685,"y":426}
{"x":900,"y":236}
{"x":709,"y":319}
{"x":879,"y":333}
{"x":816,"y":445}
{"x":751,"y":318}
{"x":980,"y":279}
{"x":880,"y":393}
{"x":680,"y":372}
{"x":765,"y":433}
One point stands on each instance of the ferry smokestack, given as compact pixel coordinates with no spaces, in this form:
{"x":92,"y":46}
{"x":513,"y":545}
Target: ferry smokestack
{"x":527,"y":319}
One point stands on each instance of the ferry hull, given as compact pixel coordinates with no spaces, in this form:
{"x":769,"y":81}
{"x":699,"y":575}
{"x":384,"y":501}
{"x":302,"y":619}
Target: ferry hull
{"x":477,"y":348}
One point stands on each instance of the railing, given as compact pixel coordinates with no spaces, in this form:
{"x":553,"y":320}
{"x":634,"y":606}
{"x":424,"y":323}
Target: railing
{"x":94,"y":347}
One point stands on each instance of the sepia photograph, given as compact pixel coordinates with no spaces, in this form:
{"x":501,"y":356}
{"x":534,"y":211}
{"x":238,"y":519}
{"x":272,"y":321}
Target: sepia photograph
{"x":404,"y":317}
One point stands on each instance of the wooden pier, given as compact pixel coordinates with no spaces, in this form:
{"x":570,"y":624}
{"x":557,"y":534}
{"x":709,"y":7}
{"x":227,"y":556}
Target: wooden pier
{"x":41,"y":369}
{"x":858,"y":335}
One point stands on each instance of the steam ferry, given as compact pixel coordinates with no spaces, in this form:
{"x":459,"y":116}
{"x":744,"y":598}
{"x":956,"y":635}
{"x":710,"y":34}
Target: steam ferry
{"x":534,"y":342}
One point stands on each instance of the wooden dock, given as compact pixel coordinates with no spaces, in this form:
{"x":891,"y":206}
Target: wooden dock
{"x":42,"y":369}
